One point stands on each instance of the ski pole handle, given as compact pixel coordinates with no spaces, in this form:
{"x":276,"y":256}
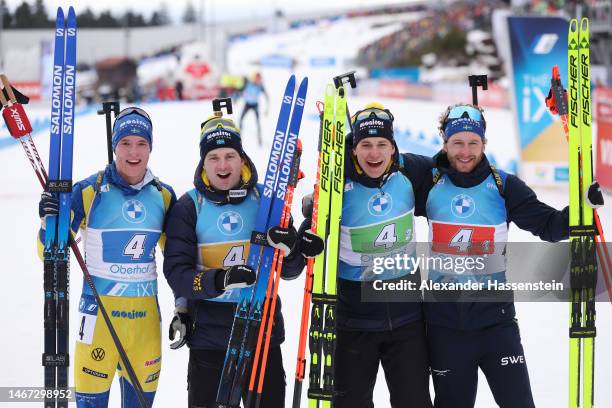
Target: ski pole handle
{"x":108,"y":108}
{"x":349,"y":78}
{"x":220,"y":103}
{"x":476,"y":81}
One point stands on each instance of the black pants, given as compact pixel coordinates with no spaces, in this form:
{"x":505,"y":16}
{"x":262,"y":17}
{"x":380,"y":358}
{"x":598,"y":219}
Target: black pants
{"x":205,"y":368}
{"x":456,"y":356}
{"x":403,"y":355}
{"x":255,"y":108}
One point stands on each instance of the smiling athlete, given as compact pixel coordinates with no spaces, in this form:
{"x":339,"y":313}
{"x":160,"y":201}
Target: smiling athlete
{"x":470,"y":205}
{"x":121,"y":213}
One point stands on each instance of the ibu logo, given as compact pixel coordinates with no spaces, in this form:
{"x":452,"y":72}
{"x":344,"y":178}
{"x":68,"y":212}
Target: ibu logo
{"x":134,"y":211}
{"x":230,"y":223}
{"x":463,"y":206}
{"x":380,"y":204}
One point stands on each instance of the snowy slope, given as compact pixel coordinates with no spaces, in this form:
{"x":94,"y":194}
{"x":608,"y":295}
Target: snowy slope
{"x":175,"y":154}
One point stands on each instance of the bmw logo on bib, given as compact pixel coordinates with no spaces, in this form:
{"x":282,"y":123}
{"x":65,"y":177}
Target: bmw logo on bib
{"x":463,"y":206}
{"x":229,"y":223}
{"x":380,"y":204}
{"x":134,"y":211}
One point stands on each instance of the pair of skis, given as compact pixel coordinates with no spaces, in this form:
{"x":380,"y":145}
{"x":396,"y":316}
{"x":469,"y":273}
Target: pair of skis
{"x":320,"y":286}
{"x":55,"y":357}
{"x":586,"y":234}
{"x":254,"y":312}
{"x":57,"y":233}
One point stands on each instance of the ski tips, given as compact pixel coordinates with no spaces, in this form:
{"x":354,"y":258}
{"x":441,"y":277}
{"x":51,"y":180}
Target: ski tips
{"x":71,"y":13}
{"x":573,"y":25}
{"x":584,"y":24}
{"x":59,"y":15}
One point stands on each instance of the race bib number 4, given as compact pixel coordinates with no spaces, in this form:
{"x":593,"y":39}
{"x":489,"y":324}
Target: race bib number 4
{"x":129,"y":246}
{"x":457,"y":239}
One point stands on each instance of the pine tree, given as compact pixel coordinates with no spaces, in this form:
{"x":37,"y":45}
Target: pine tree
{"x":189,"y":15}
{"x":23,"y":16}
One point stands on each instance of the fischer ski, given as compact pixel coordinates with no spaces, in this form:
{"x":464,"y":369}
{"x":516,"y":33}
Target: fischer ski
{"x":330,"y":188}
{"x":583,"y":267}
{"x":556,"y":101}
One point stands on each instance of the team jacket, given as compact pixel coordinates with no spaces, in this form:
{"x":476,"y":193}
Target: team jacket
{"x":120,"y":226}
{"x":378,"y":221}
{"x":207,"y":233}
{"x":470,"y":209}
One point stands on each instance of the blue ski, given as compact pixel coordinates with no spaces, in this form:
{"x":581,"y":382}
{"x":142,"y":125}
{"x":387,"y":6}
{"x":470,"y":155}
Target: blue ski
{"x":263,"y":275}
{"x":63,"y":227}
{"x":258,"y":241}
{"x":57,"y":232}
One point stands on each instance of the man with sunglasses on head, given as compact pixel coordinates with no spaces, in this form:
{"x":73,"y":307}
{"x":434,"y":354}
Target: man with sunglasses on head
{"x":121,"y":212}
{"x":470,"y":205}
{"x":209,"y":234}
{"x":382,"y":195}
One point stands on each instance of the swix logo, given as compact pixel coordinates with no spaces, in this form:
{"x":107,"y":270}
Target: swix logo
{"x":373,"y":122}
{"x":512,"y":360}
{"x":605,"y":147}
{"x":545,"y":43}
{"x":17,"y":118}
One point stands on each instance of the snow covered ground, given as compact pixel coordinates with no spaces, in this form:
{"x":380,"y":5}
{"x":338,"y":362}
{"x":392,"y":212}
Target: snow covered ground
{"x":175,"y":154}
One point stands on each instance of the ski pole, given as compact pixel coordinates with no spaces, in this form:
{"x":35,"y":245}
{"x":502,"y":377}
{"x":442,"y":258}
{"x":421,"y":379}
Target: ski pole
{"x":107,"y":109}
{"x":476,"y":81}
{"x":348,"y":78}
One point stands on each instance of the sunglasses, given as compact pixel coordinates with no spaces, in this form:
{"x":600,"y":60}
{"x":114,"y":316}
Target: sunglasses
{"x":213,"y":123}
{"x":131,"y":110}
{"x":465,"y":111}
{"x":371,"y":113}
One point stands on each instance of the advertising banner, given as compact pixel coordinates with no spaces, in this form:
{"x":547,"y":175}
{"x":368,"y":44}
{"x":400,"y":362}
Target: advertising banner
{"x":537,"y":44}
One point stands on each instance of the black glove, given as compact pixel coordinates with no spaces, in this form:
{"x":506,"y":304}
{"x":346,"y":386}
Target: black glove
{"x":282,"y":238}
{"x":310,"y":244}
{"x":181,"y":323}
{"x":307,"y":244}
{"x":48,"y":205}
{"x":594,"y":196}
{"x":238,"y":276}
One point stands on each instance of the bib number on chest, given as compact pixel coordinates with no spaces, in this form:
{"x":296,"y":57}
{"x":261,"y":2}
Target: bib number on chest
{"x":457,"y":239}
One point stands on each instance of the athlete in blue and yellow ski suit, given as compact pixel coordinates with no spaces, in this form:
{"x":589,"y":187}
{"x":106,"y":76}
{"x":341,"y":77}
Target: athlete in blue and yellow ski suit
{"x":121,"y":223}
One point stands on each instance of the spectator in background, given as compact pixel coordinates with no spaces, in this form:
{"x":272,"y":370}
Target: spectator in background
{"x":251,"y":92}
